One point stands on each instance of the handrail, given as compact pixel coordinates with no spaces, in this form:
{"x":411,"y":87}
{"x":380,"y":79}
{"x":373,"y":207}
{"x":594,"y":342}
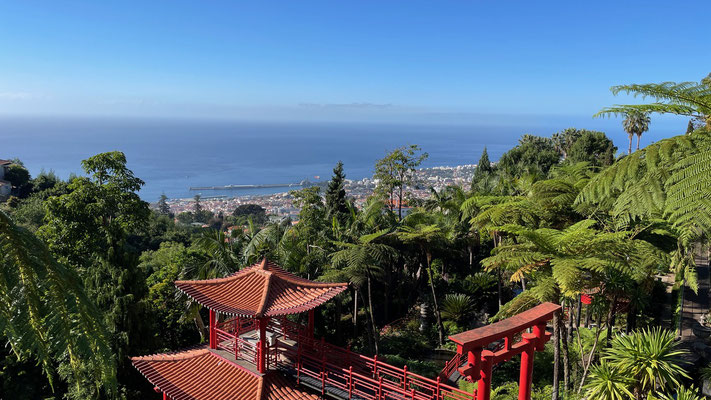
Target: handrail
{"x":375,"y":387}
{"x":451,"y":366}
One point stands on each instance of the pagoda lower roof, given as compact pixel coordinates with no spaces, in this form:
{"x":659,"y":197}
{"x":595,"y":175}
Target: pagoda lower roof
{"x":200,"y":374}
{"x":261,"y":290}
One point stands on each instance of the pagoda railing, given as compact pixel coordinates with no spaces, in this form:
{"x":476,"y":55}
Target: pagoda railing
{"x":237,"y":326}
{"x":240,"y":348}
{"x":364,"y":377}
{"x":382,"y":381}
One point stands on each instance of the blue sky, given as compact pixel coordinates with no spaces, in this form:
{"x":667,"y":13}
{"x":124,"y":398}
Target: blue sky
{"x":370,"y":60}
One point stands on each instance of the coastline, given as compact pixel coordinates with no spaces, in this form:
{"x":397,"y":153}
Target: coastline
{"x":281,"y":204}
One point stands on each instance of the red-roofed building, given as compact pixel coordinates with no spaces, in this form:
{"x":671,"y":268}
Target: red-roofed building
{"x":213,"y":377}
{"x":256,"y":353}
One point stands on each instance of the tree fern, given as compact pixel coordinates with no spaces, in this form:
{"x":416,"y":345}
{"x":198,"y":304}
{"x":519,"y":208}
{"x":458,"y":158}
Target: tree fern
{"x":45,"y":313}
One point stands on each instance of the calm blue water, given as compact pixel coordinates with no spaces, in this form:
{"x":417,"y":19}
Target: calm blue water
{"x":172,"y":155}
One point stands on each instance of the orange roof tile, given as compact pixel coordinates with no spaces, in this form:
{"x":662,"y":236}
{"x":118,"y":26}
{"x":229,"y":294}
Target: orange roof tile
{"x":261,"y":290}
{"x":200,"y":374}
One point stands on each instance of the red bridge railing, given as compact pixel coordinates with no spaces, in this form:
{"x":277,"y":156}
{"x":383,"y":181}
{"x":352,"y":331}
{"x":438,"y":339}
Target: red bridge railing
{"x":369,"y":379}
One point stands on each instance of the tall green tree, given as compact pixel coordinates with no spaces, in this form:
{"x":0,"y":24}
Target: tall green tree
{"x":336,"y":202}
{"x":635,"y":123}
{"x":532,"y":155}
{"x":594,"y":148}
{"x":88,"y":229}
{"x":395,"y":172}
{"x":564,"y":140}
{"x":163,"y":207}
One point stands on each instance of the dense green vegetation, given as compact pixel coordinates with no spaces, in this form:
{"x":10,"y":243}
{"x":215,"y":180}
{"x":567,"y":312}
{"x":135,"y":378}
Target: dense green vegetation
{"x":87,"y":266}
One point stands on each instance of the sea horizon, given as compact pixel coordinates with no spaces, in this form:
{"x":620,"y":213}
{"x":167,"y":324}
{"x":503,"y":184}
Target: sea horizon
{"x":173,"y":154}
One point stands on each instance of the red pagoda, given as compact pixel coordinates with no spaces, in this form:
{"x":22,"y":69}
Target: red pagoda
{"x":256,"y":353}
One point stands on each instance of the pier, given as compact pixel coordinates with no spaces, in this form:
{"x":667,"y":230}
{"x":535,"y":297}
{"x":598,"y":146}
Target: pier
{"x":304,"y":183}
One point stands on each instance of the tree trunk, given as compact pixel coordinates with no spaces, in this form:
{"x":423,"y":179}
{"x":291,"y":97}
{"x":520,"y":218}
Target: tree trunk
{"x":471,"y":256}
{"x":399,"y":205}
{"x":611,"y":320}
{"x":629,"y":151}
{"x":499,"y":287}
{"x":200,"y":324}
{"x":571,"y":318}
{"x":355,"y":312}
{"x":556,"y":355}
{"x":564,"y":348}
{"x":638,"y":137}
{"x":578,"y":313}
{"x":523,"y":283}
{"x":440,"y":326}
{"x":586,"y":363}
{"x":372,"y":319}
{"x":587,"y":316}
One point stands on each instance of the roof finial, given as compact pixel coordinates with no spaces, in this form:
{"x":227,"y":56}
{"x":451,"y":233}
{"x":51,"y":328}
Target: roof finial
{"x":263,"y":264}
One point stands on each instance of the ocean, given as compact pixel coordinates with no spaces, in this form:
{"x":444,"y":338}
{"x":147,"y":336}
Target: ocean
{"x":171,"y":155}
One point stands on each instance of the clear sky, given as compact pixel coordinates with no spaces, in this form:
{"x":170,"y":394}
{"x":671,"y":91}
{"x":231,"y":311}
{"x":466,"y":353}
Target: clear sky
{"x":382,"y":60}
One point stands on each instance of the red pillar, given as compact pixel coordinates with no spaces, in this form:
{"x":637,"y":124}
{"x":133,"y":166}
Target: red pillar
{"x":311,"y":323}
{"x":540,"y":332}
{"x":474,"y":363}
{"x":261,"y":361}
{"x":165,"y":396}
{"x":483,"y":387}
{"x":526,"y":377}
{"x":213,"y":336}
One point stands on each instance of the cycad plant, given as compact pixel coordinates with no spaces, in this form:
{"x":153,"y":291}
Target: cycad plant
{"x":457,"y":307}
{"x":642,"y":364}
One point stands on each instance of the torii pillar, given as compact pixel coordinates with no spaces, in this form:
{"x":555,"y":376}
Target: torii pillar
{"x":480,"y":361}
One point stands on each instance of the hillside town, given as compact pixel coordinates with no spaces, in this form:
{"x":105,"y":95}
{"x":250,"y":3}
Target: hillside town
{"x":281,"y":204}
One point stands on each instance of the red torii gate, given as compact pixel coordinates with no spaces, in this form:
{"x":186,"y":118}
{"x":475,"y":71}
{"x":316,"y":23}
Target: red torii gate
{"x":480,"y":361}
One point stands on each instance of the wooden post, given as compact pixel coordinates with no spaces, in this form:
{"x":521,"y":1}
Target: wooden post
{"x":526,"y":376}
{"x":483,"y":390}
{"x":213,"y":336}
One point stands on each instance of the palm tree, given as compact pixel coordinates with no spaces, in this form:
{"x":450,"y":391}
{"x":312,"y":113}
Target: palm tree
{"x":424,"y":236}
{"x":691,"y":99}
{"x":222,"y":257}
{"x":45,"y":312}
{"x":635,"y":123}
{"x":361,"y":263}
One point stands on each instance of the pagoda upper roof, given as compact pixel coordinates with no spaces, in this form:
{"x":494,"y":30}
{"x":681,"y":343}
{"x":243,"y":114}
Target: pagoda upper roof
{"x":200,"y":374}
{"x":261,"y":290}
